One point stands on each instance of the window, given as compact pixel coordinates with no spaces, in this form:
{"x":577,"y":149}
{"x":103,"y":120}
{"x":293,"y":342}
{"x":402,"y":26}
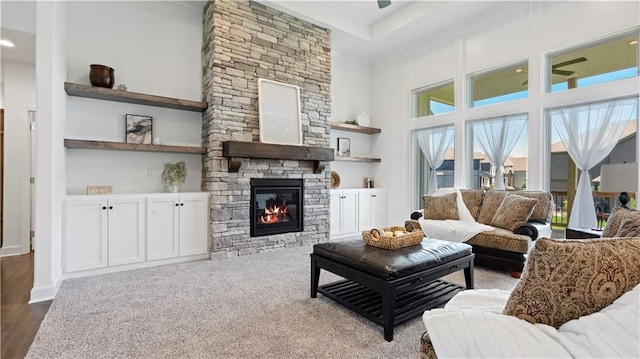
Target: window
{"x":433,"y":100}
{"x":506,"y":84}
{"x":612,"y":60}
{"x":499,"y":140}
{"x":588,"y":137}
{"x":436,"y":158}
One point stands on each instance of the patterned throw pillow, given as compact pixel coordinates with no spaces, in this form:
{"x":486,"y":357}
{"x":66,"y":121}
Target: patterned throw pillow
{"x":568,"y":279}
{"x":616,"y":218}
{"x":513,"y":211}
{"x":629,"y":228}
{"x":490,"y":203}
{"x":441,"y":207}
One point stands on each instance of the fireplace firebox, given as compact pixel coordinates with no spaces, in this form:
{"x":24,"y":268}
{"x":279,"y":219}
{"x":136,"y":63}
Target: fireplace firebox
{"x":276,"y":206}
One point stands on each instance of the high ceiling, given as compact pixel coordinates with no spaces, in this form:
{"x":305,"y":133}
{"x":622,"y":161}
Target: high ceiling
{"x":361,"y":29}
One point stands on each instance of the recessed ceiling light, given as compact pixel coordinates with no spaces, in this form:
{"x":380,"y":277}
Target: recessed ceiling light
{"x":518,"y":70}
{"x":634,"y":42}
{"x":6,"y":43}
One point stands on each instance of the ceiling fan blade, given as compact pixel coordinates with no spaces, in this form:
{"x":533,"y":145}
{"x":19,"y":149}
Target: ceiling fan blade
{"x":577,"y":60}
{"x":383,"y":3}
{"x":562,"y":72}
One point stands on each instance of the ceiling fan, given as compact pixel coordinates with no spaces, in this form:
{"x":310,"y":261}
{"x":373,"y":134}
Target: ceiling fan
{"x":383,"y":3}
{"x":556,"y":71}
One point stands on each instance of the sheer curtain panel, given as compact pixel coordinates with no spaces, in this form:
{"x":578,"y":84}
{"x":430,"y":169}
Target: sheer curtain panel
{"x":590,"y":132}
{"x":497,"y":137}
{"x":434,"y":143}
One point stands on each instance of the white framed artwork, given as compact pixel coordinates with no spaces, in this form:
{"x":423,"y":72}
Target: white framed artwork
{"x":279,"y":113}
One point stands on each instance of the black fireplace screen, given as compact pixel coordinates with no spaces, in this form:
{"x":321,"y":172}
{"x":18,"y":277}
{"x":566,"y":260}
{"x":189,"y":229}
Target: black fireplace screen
{"x":276,"y":206}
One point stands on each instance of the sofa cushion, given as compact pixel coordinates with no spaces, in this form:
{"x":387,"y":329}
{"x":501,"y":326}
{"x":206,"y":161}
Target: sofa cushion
{"x":542,"y":211}
{"x":513,"y":212}
{"x":629,"y":228}
{"x":441,"y":207}
{"x":463,"y":211}
{"x":618,"y":215}
{"x":473,"y":200}
{"x":490,"y":203}
{"x":503,"y":239}
{"x":587,"y":275}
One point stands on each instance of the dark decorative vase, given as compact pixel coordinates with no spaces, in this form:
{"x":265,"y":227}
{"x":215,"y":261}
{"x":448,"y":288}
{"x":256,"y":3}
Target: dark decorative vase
{"x":101,"y":76}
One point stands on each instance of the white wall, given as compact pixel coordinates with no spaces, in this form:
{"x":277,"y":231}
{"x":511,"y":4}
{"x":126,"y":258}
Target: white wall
{"x":155,"y":48}
{"x":20,"y":97}
{"x":508,"y":34}
{"x":350,"y":95}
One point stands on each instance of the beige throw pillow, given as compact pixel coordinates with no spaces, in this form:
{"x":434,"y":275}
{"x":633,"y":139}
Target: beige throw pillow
{"x":629,"y":228}
{"x":490,"y":203}
{"x":568,"y":279}
{"x":441,"y":207}
{"x":616,"y":218}
{"x":513,"y":212}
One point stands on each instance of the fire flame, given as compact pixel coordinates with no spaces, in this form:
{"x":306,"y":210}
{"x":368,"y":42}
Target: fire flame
{"x":274,"y":215}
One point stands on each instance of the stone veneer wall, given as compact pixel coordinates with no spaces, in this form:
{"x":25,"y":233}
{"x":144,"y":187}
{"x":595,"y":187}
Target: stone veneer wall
{"x":244,"y":41}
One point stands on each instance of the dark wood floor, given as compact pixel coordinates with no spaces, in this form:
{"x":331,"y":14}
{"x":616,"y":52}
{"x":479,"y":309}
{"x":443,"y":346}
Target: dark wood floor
{"x":20,"y":321}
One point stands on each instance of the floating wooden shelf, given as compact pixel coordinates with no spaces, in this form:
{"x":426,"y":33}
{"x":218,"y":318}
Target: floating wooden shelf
{"x":357,"y":159}
{"x":102,"y":93}
{"x":354,"y":128}
{"x":238,"y":149}
{"x":103,"y":145}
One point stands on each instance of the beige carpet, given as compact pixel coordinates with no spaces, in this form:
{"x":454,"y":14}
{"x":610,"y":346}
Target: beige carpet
{"x":255,"y":306}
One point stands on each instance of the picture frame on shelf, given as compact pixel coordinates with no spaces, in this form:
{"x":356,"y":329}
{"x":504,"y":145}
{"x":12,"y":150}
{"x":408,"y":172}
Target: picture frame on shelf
{"x":279,"y":113}
{"x":139,"y":129}
{"x":344,"y":147}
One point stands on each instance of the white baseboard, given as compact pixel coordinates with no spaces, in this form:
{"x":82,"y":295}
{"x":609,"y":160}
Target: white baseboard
{"x":45,"y":292}
{"x":7,"y":251}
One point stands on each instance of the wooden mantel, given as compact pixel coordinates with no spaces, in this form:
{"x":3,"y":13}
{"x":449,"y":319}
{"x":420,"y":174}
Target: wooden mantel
{"x":238,"y":149}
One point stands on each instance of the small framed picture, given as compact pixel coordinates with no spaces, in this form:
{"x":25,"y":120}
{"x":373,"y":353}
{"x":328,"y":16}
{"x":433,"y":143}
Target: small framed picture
{"x":344,"y":147}
{"x":139,"y":129}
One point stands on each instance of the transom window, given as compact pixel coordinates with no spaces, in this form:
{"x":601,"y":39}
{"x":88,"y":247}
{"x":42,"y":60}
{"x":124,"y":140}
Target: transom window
{"x":505,"y":84}
{"x":612,"y":60}
{"x":433,"y":100}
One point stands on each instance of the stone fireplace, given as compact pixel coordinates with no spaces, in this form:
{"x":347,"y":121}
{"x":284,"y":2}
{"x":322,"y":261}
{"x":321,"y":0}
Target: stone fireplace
{"x":242,"y":42}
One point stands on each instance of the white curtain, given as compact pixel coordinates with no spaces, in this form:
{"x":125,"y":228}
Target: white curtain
{"x":434,"y":143}
{"x":497,"y":137}
{"x":590,"y":132}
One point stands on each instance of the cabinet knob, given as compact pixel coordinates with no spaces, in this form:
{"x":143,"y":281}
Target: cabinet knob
{"x":373,"y":195}
{"x":110,"y":207}
{"x":182,"y":204}
{"x":177,"y":204}
{"x":104,"y":207}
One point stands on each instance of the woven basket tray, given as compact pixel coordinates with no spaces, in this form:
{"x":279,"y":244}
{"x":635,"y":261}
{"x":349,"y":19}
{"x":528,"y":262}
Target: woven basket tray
{"x":387,"y":242}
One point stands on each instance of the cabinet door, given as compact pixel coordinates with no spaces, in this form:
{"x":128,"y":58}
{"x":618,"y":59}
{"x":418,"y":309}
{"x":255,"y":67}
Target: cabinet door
{"x":336,"y":213}
{"x":193,"y":226}
{"x":378,"y":209}
{"x":126,"y":231}
{"x":365,"y":221}
{"x":85,"y":234}
{"x":162,"y":227}
{"x":349,"y":212}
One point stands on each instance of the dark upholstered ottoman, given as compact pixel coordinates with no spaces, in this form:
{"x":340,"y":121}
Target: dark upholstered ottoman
{"x":390,"y":287}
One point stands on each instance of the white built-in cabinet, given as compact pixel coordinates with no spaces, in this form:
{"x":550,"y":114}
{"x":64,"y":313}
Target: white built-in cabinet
{"x":176,"y":226}
{"x":344,"y":212}
{"x":106,"y":232}
{"x":356,"y":210}
{"x":372,"y":209}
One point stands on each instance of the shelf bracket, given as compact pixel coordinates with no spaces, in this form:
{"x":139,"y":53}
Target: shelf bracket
{"x":234,"y":164}
{"x":318,"y":167}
